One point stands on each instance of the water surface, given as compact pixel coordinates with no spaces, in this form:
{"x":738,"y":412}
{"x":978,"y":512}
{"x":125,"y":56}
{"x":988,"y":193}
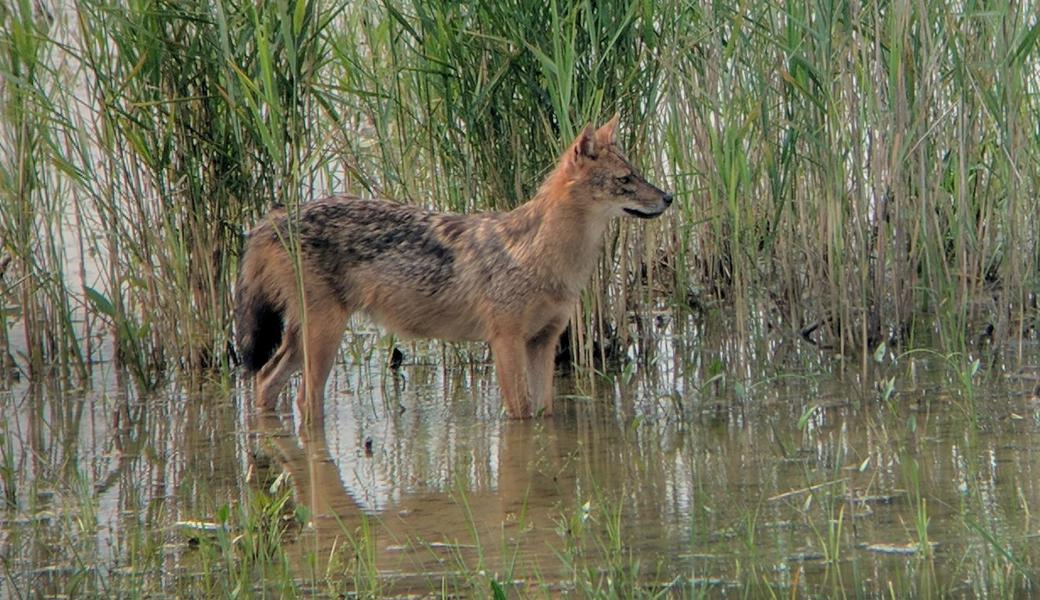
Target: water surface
{"x":701,"y":470}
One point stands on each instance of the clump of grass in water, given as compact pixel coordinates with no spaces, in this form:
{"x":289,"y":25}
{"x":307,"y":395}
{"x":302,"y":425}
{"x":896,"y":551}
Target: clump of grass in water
{"x":597,"y":555}
{"x":858,"y":183}
{"x":209,"y":108}
{"x":174,"y":126}
{"x":32,"y":235}
{"x":248,"y":546}
{"x":352,"y":568}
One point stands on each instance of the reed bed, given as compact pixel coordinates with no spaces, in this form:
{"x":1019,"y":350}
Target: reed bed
{"x":846,"y":173}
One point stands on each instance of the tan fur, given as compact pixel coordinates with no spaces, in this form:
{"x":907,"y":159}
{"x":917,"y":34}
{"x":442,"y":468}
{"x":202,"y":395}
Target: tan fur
{"x":510,"y":279}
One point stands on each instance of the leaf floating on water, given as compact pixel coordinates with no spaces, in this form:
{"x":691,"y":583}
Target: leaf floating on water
{"x":709,"y":582}
{"x":900,"y":549}
{"x":876,"y":498}
{"x":806,"y":556}
{"x":195,"y":529}
{"x":449,"y":545}
{"x":432,"y":546}
{"x":805,"y":490}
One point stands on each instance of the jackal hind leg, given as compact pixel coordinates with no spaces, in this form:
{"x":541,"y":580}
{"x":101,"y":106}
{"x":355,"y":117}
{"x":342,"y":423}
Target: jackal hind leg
{"x":325,"y":327}
{"x":271,"y":379}
{"x":541,"y":354}
{"x":512,"y":369}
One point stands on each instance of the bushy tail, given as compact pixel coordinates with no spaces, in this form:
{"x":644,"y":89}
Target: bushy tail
{"x":258,"y":323}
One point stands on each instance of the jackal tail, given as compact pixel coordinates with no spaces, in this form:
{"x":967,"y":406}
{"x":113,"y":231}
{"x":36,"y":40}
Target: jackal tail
{"x":259,"y":322}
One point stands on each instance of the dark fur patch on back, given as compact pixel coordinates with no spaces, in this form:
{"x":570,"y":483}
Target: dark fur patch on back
{"x":337,"y":234}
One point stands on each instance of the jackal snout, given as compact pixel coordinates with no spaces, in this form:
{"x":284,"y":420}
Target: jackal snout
{"x":607,"y":177}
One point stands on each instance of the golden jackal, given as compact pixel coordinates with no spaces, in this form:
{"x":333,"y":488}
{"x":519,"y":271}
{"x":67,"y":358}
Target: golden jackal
{"x":510,"y":278}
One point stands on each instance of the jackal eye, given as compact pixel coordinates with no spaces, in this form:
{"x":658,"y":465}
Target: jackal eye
{"x":627,"y":179}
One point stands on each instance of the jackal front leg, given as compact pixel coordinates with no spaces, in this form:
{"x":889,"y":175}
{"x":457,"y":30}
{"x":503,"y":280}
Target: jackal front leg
{"x":324,"y":333}
{"x":511,"y":366}
{"x":541,"y":355}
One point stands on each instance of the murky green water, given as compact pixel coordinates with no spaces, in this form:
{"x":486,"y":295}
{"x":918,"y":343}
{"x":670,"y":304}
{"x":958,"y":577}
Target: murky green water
{"x":709,"y":470}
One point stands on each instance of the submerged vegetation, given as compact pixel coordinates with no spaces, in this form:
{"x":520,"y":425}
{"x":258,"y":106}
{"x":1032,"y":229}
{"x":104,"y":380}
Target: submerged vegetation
{"x":846,"y":173}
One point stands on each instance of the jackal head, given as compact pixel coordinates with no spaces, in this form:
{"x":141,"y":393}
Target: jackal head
{"x":601,"y":175}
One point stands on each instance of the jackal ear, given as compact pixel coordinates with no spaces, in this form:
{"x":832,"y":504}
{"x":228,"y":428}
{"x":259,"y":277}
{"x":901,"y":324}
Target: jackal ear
{"x":586,"y":146}
{"x":607,"y":135}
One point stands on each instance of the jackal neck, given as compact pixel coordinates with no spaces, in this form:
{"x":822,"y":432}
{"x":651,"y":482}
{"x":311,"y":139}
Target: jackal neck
{"x":566,"y":233}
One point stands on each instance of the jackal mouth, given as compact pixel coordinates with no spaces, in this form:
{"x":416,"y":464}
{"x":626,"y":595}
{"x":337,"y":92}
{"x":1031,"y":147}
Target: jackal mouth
{"x":643,"y":215}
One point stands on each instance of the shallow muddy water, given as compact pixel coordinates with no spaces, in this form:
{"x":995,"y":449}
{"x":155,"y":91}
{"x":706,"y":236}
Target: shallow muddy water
{"x":706,"y":471}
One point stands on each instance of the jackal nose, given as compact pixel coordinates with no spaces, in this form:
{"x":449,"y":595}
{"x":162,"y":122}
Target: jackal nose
{"x":667,"y":199}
